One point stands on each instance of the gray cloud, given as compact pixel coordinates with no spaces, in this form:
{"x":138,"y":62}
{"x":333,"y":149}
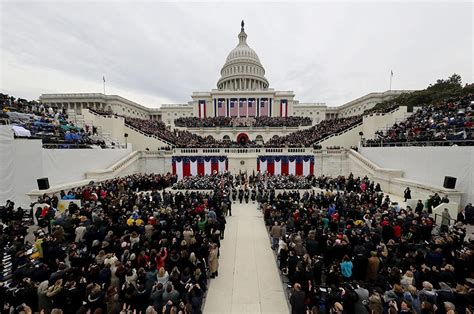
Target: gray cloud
{"x":155,"y":53}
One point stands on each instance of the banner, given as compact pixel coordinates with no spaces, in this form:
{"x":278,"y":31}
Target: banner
{"x":233,"y":111}
{"x":202,"y":108}
{"x":264,"y":107}
{"x":221,"y":108}
{"x":284,"y":108}
{"x":185,"y":166}
{"x":64,"y":204}
{"x":286,"y":165}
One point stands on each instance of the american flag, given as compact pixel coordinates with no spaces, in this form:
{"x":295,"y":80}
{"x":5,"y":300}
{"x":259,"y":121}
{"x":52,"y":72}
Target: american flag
{"x":233,"y":108}
{"x":283,"y":108}
{"x":264,"y":107}
{"x":221,"y":108}
{"x":252,"y":107}
{"x":243,"y":108}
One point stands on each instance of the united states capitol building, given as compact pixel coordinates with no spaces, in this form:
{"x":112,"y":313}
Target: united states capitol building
{"x":242,"y":91}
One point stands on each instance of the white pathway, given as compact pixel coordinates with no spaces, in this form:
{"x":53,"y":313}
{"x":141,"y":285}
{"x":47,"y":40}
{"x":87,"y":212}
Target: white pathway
{"x":248,"y":281}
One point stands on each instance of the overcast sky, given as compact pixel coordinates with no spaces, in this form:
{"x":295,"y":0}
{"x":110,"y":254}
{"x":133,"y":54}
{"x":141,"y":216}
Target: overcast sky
{"x":154,"y":53}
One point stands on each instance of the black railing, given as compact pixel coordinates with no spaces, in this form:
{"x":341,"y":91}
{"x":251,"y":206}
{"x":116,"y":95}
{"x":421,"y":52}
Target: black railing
{"x":382,"y":143}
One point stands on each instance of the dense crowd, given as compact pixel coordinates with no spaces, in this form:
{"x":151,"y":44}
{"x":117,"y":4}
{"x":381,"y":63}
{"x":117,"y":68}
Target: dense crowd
{"x":244,"y":181}
{"x":349,"y":249}
{"x":212,"y":122}
{"x":129,"y":247}
{"x":186,"y":139}
{"x":176,"y":137}
{"x":32,"y":119}
{"x":451,"y":120}
{"x":209,"y":122}
{"x":307,"y":137}
{"x":302,"y":138}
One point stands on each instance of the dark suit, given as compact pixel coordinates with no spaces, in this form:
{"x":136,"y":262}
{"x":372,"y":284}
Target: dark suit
{"x":297,"y":302}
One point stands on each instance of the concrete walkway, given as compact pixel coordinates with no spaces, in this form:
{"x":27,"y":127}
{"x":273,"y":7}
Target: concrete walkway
{"x":248,"y":281}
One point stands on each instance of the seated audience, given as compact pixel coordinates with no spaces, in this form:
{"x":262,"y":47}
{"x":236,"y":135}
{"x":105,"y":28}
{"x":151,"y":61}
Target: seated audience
{"x":443,"y":123}
{"x":258,"y":122}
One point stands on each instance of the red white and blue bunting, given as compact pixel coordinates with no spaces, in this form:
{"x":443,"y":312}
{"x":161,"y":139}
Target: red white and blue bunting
{"x":185,"y":166}
{"x":284,"y":108}
{"x":202,"y":109}
{"x":285,"y":165}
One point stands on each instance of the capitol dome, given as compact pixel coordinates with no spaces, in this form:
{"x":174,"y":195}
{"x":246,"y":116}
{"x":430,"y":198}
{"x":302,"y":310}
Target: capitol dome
{"x":242,"y":69}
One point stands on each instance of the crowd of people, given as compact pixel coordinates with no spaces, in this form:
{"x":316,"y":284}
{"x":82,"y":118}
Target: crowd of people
{"x":350,"y":249}
{"x":449,"y":121}
{"x":307,"y":137}
{"x":32,"y":119}
{"x":301,"y":138}
{"x":226,"y":122}
{"x":127,"y":247}
{"x":179,"y":138}
{"x":132,"y":245}
{"x":255,"y":181}
{"x":444,"y":122}
{"x":186,"y":139}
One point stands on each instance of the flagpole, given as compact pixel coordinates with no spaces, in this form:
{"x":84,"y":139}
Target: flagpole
{"x":391,"y":76}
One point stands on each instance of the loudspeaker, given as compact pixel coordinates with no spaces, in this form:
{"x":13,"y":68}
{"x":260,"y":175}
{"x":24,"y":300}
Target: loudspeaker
{"x":43,"y":183}
{"x":449,"y":182}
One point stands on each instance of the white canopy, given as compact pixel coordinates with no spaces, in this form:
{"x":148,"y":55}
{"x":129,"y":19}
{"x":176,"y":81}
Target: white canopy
{"x":21,"y":131}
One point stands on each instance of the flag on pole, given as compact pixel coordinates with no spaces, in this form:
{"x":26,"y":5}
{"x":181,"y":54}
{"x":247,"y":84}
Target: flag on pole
{"x":391,"y":73}
{"x":103,"y":78}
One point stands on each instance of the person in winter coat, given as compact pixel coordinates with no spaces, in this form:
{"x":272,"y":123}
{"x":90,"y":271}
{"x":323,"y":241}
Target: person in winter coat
{"x":407,"y":194}
{"x":411,"y":295}
{"x":214,"y":260}
{"x":346,"y":268}
{"x":170,"y":294}
{"x":373,"y":267}
{"x":162,"y":277}
{"x":276,"y":233}
{"x":297,"y":300}
{"x":362,"y":300}
{"x":445,"y":219}
{"x":112,"y":300}
{"x":427,"y":293}
{"x":375,"y":302}
{"x":44,"y":302}
{"x":156,"y":297}
{"x":161,"y":258}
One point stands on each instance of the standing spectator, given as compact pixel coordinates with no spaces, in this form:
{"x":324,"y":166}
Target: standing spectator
{"x":297,"y":300}
{"x":462,"y":216}
{"x":346,"y":268}
{"x":214,"y":260}
{"x":407,"y":194}
{"x":419,"y":207}
{"x":275,"y":232}
{"x":445,"y":220}
{"x":373,"y":267}
{"x":469,"y":209}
